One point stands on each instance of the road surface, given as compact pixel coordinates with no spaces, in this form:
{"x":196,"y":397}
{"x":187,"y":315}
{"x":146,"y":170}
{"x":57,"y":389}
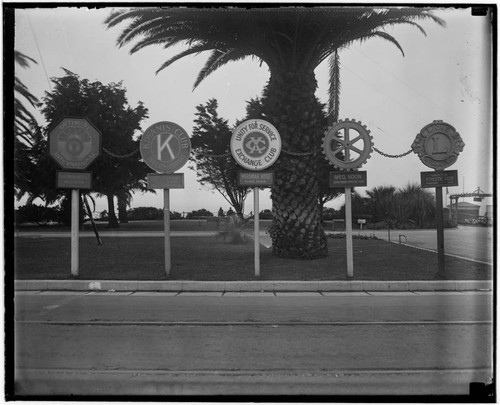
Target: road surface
{"x":469,"y":242}
{"x":147,"y":343}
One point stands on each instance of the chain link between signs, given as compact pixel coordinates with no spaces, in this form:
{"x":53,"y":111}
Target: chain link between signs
{"x":120,"y":156}
{"x":392,"y":156}
{"x":283,"y":150}
{"x":301,"y":153}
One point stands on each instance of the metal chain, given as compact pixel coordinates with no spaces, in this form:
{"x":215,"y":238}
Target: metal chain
{"x":300,"y":153}
{"x":392,"y":156}
{"x":283,"y":150}
{"x":120,"y":156}
{"x":218,"y":156}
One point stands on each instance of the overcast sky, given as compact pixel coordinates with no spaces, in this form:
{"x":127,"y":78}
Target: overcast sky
{"x":445,"y":76}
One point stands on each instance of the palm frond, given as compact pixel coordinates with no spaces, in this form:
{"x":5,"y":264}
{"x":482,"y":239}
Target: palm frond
{"x":334,"y":88}
{"x":296,"y":38}
{"x":22,"y":59}
{"x":218,"y":59}
{"x":193,"y":50}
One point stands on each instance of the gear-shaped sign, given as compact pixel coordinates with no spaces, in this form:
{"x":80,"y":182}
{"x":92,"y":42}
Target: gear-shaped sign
{"x":347,"y":144}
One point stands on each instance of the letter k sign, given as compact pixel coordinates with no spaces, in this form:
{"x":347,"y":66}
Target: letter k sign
{"x":165,"y":144}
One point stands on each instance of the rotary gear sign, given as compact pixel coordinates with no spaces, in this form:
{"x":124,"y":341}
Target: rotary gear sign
{"x":346,"y":150}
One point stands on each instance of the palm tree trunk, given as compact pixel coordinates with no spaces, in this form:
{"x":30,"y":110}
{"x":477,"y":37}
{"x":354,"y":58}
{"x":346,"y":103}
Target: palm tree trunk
{"x":112,"y":220}
{"x":290,"y":105}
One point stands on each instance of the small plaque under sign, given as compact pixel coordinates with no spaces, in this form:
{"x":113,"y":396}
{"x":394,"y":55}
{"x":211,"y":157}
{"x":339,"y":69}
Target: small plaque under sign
{"x":256,"y":178}
{"x":74,"y":180}
{"x":348,"y":179}
{"x":439,"y":178}
{"x":165,"y":180}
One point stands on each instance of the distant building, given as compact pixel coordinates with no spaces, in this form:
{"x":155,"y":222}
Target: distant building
{"x":466,"y":211}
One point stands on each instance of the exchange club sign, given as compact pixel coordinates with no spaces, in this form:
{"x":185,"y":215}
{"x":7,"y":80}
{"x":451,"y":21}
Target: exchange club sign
{"x":255,"y":144}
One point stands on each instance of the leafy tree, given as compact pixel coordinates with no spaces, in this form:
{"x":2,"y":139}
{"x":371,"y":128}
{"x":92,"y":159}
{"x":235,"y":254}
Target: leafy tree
{"x":118,"y":170}
{"x":212,"y":157}
{"x":292,"y":41}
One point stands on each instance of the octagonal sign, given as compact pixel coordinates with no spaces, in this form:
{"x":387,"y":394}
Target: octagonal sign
{"x":74,"y":143}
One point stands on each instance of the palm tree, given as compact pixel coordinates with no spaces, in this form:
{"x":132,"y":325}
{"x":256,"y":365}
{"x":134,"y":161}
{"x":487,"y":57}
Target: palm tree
{"x":420,"y":203}
{"x":382,"y":202}
{"x":292,"y":41}
{"x":26,"y":130}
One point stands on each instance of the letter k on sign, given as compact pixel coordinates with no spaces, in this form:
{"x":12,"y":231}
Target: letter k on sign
{"x":165,"y":144}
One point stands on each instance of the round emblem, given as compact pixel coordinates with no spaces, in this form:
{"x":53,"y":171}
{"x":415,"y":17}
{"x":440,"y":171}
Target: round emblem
{"x":347,"y":144}
{"x":165,"y":147}
{"x":255,"y":144}
{"x":438,"y":145}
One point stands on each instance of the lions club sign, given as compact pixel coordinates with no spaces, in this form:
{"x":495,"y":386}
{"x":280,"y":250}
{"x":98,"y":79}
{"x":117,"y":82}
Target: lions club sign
{"x":438,"y":145}
{"x":255,"y":144}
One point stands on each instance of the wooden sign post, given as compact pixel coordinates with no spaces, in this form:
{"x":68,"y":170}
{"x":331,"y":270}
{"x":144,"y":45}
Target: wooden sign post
{"x":165,"y":147}
{"x":348,"y":180}
{"x":256,"y":179}
{"x":74,"y":143}
{"x":255,"y":145}
{"x":438,"y":145}
{"x":344,"y":150}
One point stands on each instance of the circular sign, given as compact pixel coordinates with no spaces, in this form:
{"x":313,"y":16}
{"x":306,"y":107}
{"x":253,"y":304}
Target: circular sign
{"x":165,"y":147}
{"x":74,"y":143}
{"x":438,"y":145}
{"x":347,"y":144}
{"x":255,"y":144}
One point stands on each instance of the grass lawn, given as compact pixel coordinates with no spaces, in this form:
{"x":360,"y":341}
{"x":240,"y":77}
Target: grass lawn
{"x":210,"y":258}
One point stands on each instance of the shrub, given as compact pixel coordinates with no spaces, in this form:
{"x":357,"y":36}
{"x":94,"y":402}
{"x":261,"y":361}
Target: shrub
{"x":38,"y":214}
{"x":234,"y":230}
{"x":144,"y":214}
{"x":266,"y":214}
{"x":197,"y":214}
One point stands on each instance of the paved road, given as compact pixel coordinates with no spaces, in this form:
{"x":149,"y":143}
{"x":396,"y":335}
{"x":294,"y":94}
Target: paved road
{"x":253,"y":343}
{"x":470,"y":242}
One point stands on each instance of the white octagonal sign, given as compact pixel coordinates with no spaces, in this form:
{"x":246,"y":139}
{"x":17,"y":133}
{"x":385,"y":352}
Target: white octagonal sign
{"x":255,"y":144}
{"x":74,"y":143}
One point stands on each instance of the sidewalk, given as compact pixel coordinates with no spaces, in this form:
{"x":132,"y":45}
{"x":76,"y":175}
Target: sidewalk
{"x":252,"y":286}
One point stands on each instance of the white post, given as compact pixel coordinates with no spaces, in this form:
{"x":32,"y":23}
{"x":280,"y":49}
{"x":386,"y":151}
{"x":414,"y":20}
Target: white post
{"x":75,"y":248}
{"x":256,"y":231}
{"x":348,"y":230}
{"x":166,"y":226}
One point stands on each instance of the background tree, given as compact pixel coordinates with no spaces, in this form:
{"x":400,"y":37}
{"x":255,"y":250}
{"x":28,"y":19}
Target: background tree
{"x":292,"y":42}
{"x":211,"y":155}
{"x":118,"y":169}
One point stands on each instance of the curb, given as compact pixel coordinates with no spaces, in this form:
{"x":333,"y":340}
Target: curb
{"x":252,"y":286}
